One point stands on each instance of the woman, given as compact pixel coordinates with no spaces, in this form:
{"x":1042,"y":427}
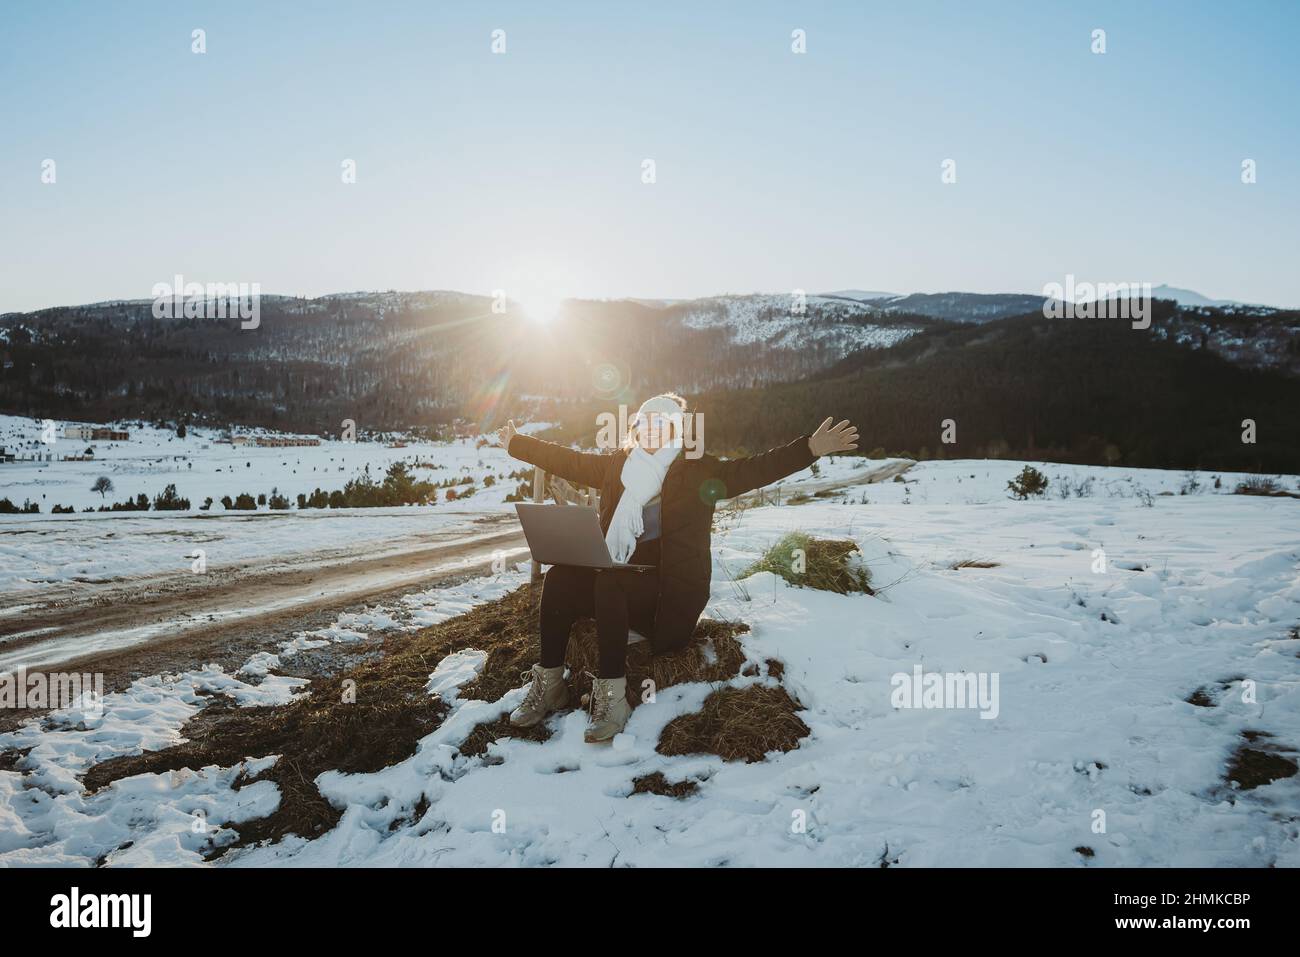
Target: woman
{"x":656,"y":508}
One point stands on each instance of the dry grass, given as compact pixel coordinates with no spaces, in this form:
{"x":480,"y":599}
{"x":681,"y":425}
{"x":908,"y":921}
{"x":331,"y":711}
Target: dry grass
{"x":1263,"y":485}
{"x":476,"y":744}
{"x":826,"y":564}
{"x":973,"y":563}
{"x":320,"y":731}
{"x":737,"y":724}
{"x":316,"y":733}
{"x":657,"y":783}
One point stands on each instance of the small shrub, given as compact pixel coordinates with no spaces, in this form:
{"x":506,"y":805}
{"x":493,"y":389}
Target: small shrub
{"x":825,"y":564}
{"x":1029,"y":482}
{"x":1258,"y":485}
{"x":169,"y":501}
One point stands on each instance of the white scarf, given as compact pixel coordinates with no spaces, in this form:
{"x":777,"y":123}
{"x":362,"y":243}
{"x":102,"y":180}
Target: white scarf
{"x":643,"y":477}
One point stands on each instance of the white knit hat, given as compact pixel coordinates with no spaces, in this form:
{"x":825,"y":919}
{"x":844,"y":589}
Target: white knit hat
{"x":663,"y":404}
{"x":666,"y":406}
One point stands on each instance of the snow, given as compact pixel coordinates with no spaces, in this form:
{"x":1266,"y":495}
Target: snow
{"x":48,"y":818}
{"x":200,"y":467}
{"x":106,"y":546}
{"x":1093,"y":668}
{"x":457,"y":669}
{"x":770,"y":319}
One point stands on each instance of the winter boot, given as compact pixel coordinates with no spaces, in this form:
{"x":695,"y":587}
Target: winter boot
{"x":547,"y":693}
{"x":609,"y":710}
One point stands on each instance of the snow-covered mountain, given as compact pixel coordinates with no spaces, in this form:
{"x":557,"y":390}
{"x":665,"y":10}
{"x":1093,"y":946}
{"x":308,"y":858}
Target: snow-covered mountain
{"x":1188,"y":297}
{"x":862,"y":295}
{"x":782,"y":321}
{"x":394,"y":358}
{"x":962,"y":306}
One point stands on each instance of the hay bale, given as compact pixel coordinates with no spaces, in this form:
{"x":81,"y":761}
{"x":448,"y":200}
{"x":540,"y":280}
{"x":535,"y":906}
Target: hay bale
{"x":737,"y":724}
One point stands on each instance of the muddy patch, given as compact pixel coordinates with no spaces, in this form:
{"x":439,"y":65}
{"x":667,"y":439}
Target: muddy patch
{"x":1259,"y":760}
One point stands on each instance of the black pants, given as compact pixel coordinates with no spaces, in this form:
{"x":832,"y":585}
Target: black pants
{"x":616,"y":598}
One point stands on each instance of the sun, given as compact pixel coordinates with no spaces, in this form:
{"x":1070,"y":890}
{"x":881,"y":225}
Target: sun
{"x":538,"y":305}
{"x":538,"y":291}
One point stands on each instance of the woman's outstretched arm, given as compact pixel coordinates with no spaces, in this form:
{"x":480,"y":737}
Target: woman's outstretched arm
{"x":744,"y":475}
{"x":582,"y":468}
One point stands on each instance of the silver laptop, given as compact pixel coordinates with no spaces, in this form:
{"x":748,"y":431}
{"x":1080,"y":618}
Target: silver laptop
{"x":566,"y":535}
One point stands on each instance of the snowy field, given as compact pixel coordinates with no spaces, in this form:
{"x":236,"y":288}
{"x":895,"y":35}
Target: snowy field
{"x":200,"y":467}
{"x":38,"y":551}
{"x":1090,"y":725}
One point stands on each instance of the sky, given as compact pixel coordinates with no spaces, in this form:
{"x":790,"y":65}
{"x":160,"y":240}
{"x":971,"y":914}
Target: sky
{"x":523,"y":171}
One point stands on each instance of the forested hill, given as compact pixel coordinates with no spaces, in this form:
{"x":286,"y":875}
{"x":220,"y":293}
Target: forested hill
{"x":402,"y":360}
{"x":1086,"y":391}
{"x":1083,"y":390}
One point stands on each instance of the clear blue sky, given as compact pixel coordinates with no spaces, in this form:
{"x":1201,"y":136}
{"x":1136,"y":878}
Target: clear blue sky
{"x":775,"y":171}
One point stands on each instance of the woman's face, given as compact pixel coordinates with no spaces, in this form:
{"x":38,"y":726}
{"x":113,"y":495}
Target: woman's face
{"x":654,"y":431}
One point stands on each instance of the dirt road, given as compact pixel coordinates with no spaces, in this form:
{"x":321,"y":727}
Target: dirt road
{"x":149,"y":624}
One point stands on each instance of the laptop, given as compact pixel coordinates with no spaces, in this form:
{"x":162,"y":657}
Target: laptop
{"x":567,"y":535}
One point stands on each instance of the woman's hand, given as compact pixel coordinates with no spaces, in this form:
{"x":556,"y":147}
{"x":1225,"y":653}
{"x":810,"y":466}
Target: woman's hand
{"x":506,"y":433}
{"x":828,"y":439}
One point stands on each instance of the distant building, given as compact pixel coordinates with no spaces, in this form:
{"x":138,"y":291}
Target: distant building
{"x":239,"y":440}
{"x":6,"y":455}
{"x":93,"y":432}
{"x":279,"y":442}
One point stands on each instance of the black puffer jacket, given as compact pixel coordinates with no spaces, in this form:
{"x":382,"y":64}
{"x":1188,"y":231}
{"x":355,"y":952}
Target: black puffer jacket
{"x":691,"y":489}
